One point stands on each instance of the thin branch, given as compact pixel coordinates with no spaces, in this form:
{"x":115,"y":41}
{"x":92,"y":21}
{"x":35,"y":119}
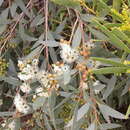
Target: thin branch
{"x":13,"y":28}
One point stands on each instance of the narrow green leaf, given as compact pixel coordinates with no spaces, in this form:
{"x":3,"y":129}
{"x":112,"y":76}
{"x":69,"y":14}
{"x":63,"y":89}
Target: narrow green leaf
{"x":127,"y":113}
{"x":68,"y":3}
{"x":110,"y":70}
{"x":112,"y":37}
{"x":108,"y":61}
{"x":121,"y":35}
{"x":117,"y":4}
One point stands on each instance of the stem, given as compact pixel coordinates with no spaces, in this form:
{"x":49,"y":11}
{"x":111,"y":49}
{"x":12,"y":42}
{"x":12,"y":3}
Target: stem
{"x":46,"y":27}
{"x":123,"y":56}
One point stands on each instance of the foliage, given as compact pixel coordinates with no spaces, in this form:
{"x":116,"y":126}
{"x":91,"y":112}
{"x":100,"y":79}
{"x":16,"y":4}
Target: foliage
{"x":64,"y":64}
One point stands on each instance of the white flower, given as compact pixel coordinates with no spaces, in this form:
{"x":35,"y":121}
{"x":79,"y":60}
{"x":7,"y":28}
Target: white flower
{"x":43,"y":78}
{"x":24,"y":77}
{"x":84,"y":85}
{"x":3,"y":124}
{"x":96,"y":91}
{"x":40,"y":92}
{"x":25,"y":88}
{"x":68,"y":54}
{"x":98,"y":86}
{"x":91,"y":64}
{"x":12,"y":125}
{"x":96,"y":83}
{"x":35,"y":62}
{"x":28,"y":73}
{"x":90,"y":44}
{"x":21,"y":105}
{"x":60,"y":69}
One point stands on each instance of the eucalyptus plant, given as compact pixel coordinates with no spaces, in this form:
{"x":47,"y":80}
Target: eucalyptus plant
{"x":64,"y":64}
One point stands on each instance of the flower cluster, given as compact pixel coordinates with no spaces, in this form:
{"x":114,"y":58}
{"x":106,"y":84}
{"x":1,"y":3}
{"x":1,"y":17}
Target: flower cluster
{"x":68,"y":54}
{"x":25,"y":88}
{"x":21,"y":104}
{"x":60,"y":68}
{"x":28,"y":71}
{"x":39,"y":91}
{"x":47,"y":79}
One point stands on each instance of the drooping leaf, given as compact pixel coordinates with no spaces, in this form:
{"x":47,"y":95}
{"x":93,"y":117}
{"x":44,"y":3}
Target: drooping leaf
{"x":106,"y":126}
{"x":126,"y":88}
{"x":1,"y":1}
{"x":13,"y":81}
{"x":77,"y":38}
{"x":110,"y":112}
{"x":22,"y":6}
{"x":39,"y":102}
{"x":24,"y":36}
{"x":91,"y":127}
{"x":49,"y":43}
{"x":39,"y":19}
{"x":81,"y":113}
{"x":13,"y":9}
{"x":110,"y":87}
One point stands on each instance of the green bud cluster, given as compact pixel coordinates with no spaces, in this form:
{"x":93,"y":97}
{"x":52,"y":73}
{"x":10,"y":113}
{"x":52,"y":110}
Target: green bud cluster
{"x":3,"y":66}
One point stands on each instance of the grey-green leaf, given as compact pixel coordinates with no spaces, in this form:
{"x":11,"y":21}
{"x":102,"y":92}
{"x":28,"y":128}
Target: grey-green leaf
{"x":77,"y":38}
{"x":106,"y":126}
{"x":110,"y":87}
{"x":111,"y":112}
{"x":39,"y":102}
{"x":91,"y":127}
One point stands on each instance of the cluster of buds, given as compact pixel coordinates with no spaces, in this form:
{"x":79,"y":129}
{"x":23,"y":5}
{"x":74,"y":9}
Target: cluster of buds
{"x":85,"y":52}
{"x":3,"y":66}
{"x":84,"y":70}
